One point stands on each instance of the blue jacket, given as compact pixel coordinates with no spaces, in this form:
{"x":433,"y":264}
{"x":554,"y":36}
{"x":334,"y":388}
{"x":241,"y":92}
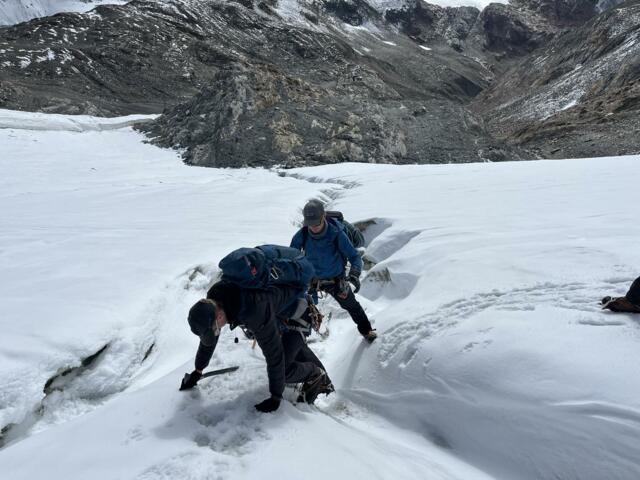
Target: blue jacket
{"x":329,"y":253}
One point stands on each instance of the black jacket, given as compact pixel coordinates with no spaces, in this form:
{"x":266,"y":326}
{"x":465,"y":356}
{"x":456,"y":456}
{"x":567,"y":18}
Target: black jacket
{"x":261,"y":312}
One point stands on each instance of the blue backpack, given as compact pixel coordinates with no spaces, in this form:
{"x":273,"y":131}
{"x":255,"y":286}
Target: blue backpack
{"x":267,"y":265}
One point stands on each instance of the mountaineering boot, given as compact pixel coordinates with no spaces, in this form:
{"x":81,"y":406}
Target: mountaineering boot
{"x":619,"y":304}
{"x":327,"y":388}
{"x":371,"y":336}
{"x":318,"y":384}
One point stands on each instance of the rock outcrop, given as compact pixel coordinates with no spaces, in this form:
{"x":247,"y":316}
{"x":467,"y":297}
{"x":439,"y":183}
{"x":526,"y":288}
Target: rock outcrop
{"x":578,"y":96}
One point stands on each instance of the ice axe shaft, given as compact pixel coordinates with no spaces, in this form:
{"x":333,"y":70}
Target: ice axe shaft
{"x":220,"y":371}
{"x":212,"y":373}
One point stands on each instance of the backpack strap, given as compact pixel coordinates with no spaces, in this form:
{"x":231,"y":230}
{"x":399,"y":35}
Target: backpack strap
{"x":305,"y":236}
{"x":336,"y":240}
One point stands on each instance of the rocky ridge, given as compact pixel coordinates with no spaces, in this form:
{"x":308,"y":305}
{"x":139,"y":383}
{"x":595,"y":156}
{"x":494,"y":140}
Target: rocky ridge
{"x":577,"y":96}
{"x":290,"y":82}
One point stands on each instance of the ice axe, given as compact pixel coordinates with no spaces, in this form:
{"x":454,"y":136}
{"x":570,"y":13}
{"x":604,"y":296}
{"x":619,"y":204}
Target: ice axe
{"x":212,"y":373}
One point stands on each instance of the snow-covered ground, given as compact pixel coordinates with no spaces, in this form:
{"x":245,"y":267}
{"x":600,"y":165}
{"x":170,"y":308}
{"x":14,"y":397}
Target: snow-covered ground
{"x":16,"y":11}
{"x":494,"y":360}
{"x":11,"y":119}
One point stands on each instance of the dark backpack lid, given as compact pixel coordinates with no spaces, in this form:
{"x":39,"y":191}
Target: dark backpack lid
{"x":335,"y":214}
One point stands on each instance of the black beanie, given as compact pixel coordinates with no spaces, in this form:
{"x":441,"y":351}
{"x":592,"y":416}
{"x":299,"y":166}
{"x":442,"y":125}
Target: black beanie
{"x":201,"y":318}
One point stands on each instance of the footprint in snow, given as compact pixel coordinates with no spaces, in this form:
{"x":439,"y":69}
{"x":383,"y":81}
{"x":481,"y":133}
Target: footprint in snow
{"x":406,"y":336}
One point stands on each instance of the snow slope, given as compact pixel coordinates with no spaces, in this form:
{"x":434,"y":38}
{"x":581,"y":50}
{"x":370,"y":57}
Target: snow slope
{"x":492,"y":342}
{"x":494,"y":359}
{"x":16,"y":11}
{"x":10,"y":119}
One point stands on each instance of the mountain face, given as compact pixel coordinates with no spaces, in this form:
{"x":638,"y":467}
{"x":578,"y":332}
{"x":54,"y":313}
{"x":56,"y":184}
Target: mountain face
{"x":338,"y":93}
{"x":577,"y":96}
{"x":290,"y":82}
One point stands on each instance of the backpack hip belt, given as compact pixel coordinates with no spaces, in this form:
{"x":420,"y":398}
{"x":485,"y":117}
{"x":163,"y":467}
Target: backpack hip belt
{"x":302,"y":323}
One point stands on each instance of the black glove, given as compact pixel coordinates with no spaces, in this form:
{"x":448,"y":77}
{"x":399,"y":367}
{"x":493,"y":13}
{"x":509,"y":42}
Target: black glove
{"x":271,"y":404}
{"x":354,"y":279}
{"x":190,"y":380}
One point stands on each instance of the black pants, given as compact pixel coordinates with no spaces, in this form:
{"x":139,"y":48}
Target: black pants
{"x":633,"y":295}
{"x":350,"y":304}
{"x":300,"y":363}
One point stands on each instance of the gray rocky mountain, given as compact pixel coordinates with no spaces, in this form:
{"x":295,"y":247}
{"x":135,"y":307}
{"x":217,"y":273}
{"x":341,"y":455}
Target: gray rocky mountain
{"x":291,"y":82}
{"x":577,"y":96}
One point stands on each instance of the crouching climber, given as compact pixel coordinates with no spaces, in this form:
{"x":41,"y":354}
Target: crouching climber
{"x":269,"y":301}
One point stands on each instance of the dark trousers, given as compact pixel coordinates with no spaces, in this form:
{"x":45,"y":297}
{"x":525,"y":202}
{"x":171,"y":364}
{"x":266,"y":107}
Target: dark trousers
{"x":300,"y":363}
{"x":633,"y":295}
{"x":350,"y":304}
